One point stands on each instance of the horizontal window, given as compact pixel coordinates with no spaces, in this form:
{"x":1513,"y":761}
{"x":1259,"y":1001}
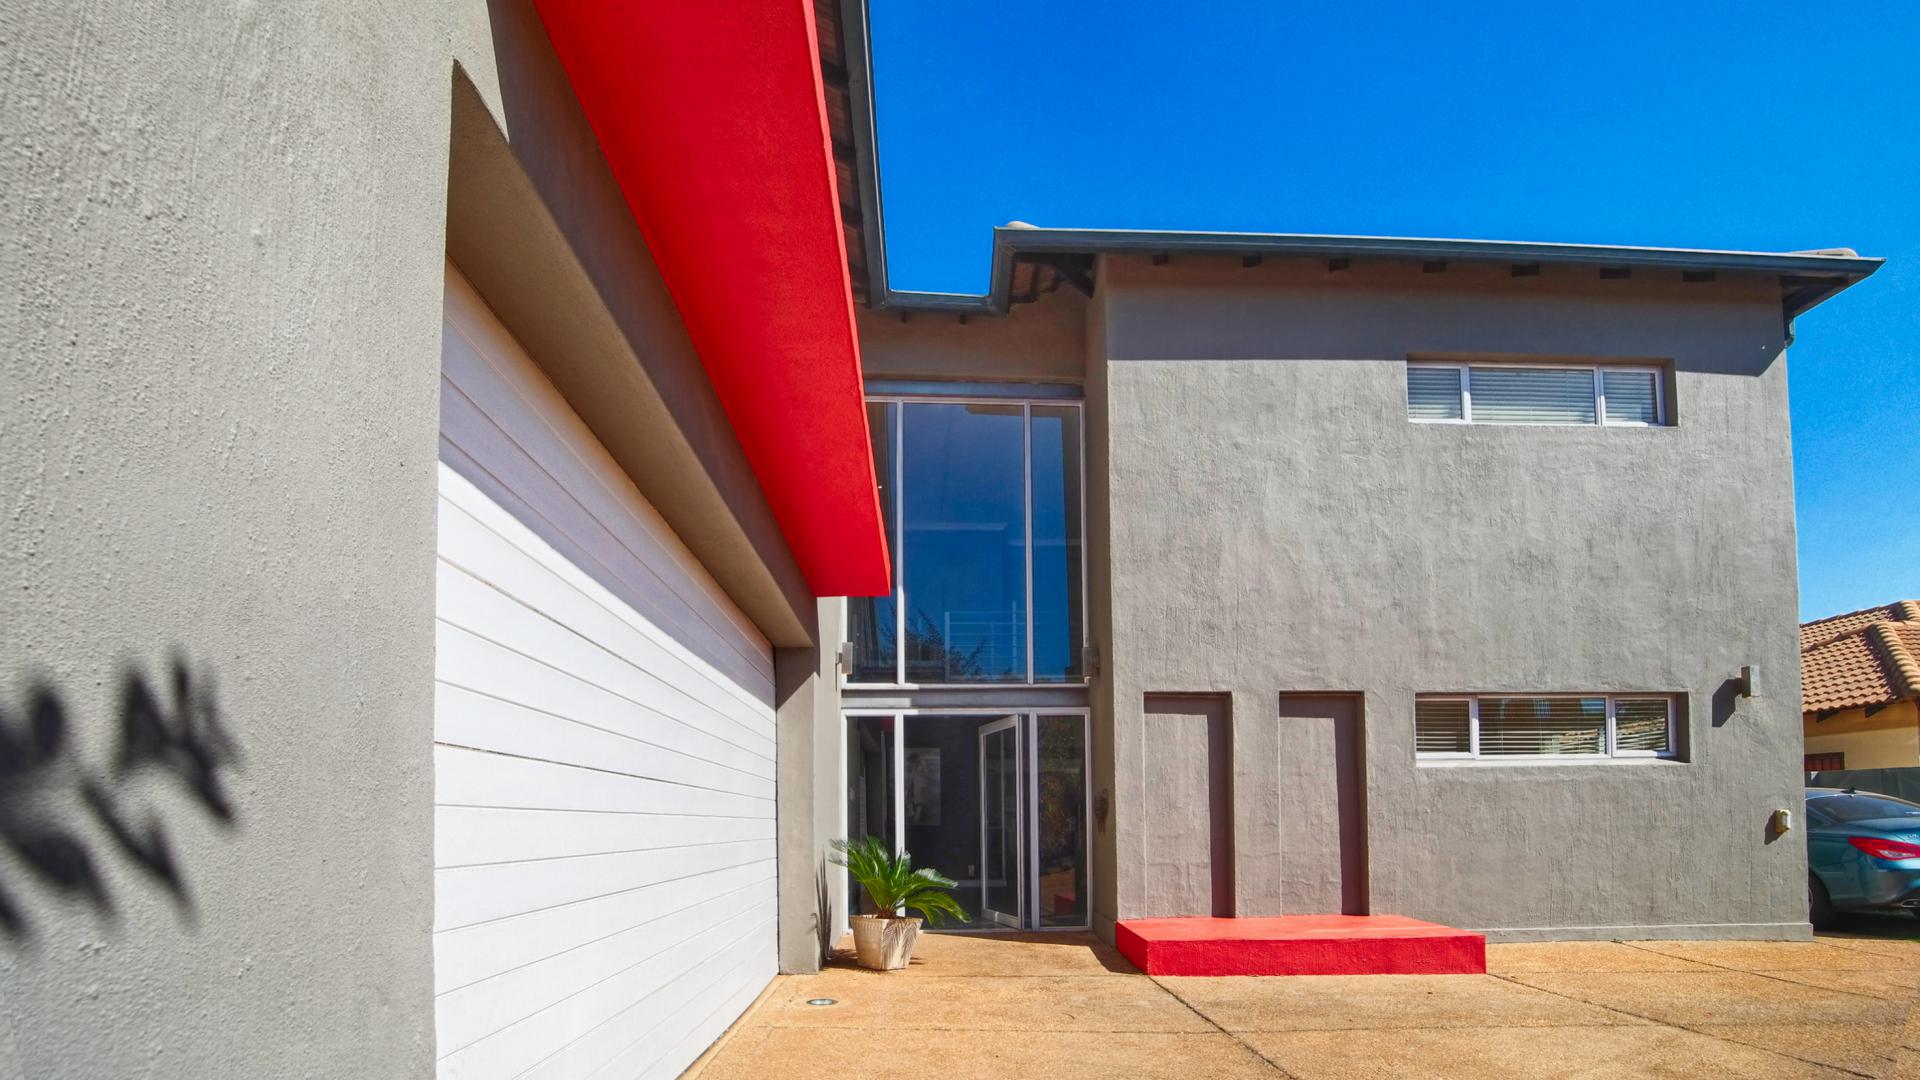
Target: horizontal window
{"x":1534,"y":394}
{"x":1569,"y":726}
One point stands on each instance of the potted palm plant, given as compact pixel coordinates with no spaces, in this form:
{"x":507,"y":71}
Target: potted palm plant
{"x":884,"y":942}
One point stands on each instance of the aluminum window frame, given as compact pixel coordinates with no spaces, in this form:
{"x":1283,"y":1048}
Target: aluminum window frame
{"x":1027,"y":404}
{"x":1599,"y":370}
{"x":1610,"y":751}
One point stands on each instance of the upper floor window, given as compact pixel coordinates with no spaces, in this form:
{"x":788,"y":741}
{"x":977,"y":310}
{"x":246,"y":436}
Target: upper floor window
{"x":1609,"y":394}
{"x":983,"y":502}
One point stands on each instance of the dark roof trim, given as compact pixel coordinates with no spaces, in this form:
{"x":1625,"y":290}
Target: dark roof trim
{"x":1033,"y":391}
{"x":856,"y":43}
{"x":1806,"y":277}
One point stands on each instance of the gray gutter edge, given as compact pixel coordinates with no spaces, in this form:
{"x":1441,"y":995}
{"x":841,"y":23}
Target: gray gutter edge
{"x":1807,"y":278}
{"x":856,"y":43}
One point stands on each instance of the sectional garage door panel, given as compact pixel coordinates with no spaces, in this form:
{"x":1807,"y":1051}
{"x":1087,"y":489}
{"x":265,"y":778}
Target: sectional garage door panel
{"x":514,"y":437}
{"x":604,"y":762}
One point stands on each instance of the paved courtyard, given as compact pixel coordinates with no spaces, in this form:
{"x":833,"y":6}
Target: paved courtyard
{"x":1059,"y":1007}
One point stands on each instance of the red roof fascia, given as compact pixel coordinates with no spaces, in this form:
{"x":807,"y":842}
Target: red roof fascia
{"x":713,"y":118}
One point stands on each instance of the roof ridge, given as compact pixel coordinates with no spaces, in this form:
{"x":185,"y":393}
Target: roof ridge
{"x":1896,"y":610}
{"x":1906,"y":670}
{"x":1896,"y":605}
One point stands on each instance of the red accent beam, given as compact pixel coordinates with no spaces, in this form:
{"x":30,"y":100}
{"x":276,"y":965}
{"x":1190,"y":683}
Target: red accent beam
{"x":713,"y":119}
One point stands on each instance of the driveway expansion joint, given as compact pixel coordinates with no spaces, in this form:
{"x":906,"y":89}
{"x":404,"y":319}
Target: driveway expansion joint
{"x":1777,"y":975}
{"x":1693,"y":1030}
{"x":1235,"y":1036}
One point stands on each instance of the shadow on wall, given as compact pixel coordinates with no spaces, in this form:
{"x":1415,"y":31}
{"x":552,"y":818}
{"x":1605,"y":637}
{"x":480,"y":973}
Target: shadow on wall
{"x":48,"y":792}
{"x":1726,"y":701}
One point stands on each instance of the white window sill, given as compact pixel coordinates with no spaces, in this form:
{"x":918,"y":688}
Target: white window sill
{"x":1439,"y":762}
{"x":1531,"y":424}
{"x":1076,"y":683}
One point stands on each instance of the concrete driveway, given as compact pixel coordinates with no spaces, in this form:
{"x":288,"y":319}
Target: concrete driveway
{"x":1063,"y":1006}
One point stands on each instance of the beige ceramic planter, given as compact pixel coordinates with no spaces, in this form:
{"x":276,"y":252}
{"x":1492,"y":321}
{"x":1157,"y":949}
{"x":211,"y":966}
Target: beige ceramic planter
{"x":884,"y":943}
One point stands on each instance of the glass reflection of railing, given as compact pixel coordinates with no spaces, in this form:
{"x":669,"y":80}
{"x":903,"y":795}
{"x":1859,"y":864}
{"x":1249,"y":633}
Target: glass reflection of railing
{"x":983,"y":644}
{"x":980,"y":646}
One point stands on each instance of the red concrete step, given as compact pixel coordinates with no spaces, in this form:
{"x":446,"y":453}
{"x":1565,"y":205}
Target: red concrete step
{"x":1301,"y":945}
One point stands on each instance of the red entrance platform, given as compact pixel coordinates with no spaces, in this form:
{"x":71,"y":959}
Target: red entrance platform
{"x":1300,"y":945}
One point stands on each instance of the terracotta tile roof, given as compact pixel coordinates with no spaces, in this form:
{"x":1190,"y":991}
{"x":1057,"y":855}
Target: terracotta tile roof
{"x":1861,"y":658}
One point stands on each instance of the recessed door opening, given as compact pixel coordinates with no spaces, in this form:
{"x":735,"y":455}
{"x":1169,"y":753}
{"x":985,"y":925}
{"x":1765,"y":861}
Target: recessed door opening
{"x":1323,"y":804}
{"x":1189,"y":866}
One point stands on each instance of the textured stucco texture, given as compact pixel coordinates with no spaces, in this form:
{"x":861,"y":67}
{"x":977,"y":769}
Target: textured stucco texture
{"x":1275,"y":524}
{"x":223,"y":235}
{"x":220,"y":257}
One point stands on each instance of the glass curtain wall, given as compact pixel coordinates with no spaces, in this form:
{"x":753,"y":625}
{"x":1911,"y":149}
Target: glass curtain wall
{"x":872,"y":622}
{"x":1057,"y":582}
{"x":965,"y":543}
{"x":1061,"y":821}
{"x":983,"y":501}
{"x":870,"y":790}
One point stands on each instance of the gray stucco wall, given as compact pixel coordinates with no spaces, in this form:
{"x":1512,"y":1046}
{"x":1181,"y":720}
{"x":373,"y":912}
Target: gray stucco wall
{"x":811,"y":789}
{"x":1274,"y":524}
{"x":1041,"y":341}
{"x":221,"y":253}
{"x":1099,"y":438}
{"x":222,"y":238}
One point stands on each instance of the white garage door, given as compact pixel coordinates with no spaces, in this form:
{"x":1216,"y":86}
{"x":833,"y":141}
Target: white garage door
{"x":604,"y":897}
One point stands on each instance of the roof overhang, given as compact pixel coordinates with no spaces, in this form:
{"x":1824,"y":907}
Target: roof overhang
{"x":1806,"y":277}
{"x":712,"y":118}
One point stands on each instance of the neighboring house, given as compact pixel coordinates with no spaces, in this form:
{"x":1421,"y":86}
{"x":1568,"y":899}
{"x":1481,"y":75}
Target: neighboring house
{"x":480,"y":522}
{"x":1860,"y":689}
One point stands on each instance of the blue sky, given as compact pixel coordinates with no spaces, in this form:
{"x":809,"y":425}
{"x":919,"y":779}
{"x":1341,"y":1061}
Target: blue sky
{"x":1752,"y":126}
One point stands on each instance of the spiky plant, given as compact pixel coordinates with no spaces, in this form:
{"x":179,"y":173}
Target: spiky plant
{"x":893,"y":884}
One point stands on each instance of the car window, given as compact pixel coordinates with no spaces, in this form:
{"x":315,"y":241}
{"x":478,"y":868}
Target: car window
{"x":1865,"y":807}
{"x":1817,"y":815}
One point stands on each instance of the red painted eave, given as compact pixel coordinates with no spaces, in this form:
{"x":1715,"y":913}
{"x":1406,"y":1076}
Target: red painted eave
{"x":713,"y":119}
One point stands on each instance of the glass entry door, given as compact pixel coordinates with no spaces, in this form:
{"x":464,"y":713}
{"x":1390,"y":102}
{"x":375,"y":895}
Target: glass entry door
{"x":996,"y":800}
{"x":1003,"y":877}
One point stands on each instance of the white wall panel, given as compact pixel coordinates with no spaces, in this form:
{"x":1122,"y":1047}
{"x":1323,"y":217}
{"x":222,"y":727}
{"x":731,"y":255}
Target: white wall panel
{"x":604,"y":749}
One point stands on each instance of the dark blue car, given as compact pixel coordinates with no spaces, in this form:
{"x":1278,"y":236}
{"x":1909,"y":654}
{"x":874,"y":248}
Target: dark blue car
{"x":1863,"y":853}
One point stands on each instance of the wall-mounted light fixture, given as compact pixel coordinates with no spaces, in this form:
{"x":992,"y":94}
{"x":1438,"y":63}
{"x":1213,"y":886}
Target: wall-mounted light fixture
{"x":1750,"y":681}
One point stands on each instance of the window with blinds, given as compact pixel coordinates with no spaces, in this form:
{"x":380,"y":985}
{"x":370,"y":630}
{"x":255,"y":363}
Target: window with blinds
{"x":1614,"y":396}
{"x":1502,"y":395}
{"x":1630,"y":397}
{"x":1544,"y":726}
{"x":1643,"y":725}
{"x":1443,"y":727}
{"x":1433,"y":393}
